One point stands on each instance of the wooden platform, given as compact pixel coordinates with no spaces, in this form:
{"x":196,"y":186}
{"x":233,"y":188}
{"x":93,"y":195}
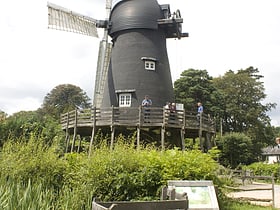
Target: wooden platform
{"x":86,"y":122}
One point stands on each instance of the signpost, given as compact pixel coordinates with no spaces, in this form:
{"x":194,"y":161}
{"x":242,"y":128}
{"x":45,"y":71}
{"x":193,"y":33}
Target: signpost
{"x":201,"y":194}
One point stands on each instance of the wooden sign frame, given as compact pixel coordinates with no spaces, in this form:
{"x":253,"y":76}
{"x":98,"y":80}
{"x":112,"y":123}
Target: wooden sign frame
{"x":201,"y":194}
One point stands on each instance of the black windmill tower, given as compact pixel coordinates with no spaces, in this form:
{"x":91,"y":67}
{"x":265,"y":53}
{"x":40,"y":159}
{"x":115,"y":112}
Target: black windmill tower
{"x":135,"y":62}
{"x":139,"y":63}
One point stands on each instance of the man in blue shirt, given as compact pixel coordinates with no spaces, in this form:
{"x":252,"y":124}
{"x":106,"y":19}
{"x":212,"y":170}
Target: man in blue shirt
{"x":147,"y":101}
{"x":199,"y":112}
{"x":199,"y":108}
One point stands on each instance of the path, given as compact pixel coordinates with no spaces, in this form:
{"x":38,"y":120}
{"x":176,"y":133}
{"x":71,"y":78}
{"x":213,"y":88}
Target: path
{"x":254,"y":195}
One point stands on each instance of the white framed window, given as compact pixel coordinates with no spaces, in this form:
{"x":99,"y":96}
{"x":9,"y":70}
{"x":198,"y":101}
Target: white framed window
{"x":125,"y":100}
{"x":150,"y":65}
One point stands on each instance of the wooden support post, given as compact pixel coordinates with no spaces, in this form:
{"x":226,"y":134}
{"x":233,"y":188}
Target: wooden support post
{"x":67,"y":137}
{"x":138,"y":137}
{"x":139,"y":127}
{"x":183,"y":139}
{"x":112,"y":137}
{"x":162,"y":138}
{"x":80,"y":144}
{"x":200,"y":132}
{"x":75,"y":130}
{"x":93,"y":130}
{"x":112,"y":129}
{"x":183,"y":132}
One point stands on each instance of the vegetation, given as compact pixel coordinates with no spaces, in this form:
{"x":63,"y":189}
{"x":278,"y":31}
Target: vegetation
{"x":120,"y":174}
{"x":236,"y":101}
{"x":236,"y":149}
{"x":34,"y":176}
{"x":64,"y":98}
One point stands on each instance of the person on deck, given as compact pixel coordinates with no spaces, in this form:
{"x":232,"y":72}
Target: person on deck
{"x":146,"y":103}
{"x":199,"y":112}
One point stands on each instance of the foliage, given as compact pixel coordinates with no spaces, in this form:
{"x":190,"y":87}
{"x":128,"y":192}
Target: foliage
{"x":123,"y":173}
{"x":194,"y":86}
{"x":236,"y":149}
{"x":24,"y":160}
{"x":64,"y":98}
{"x":264,"y":169}
{"x":235,"y":99}
{"x":26,"y":123}
{"x":242,"y":94}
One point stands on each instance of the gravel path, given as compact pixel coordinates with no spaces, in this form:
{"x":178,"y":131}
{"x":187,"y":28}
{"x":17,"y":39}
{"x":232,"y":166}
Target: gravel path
{"x":254,"y":195}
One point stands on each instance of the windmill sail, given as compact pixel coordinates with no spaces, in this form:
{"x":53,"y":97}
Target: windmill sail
{"x":63,"y":19}
{"x":105,"y":49}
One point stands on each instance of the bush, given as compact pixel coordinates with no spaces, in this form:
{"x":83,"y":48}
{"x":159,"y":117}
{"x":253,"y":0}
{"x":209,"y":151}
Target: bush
{"x":236,"y":149}
{"x":123,"y":173}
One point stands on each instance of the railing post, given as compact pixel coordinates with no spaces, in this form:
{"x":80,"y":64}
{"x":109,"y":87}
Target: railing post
{"x":273,"y":192}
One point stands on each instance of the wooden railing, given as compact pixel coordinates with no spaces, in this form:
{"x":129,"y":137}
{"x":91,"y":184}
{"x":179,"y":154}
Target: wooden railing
{"x":133,"y":116}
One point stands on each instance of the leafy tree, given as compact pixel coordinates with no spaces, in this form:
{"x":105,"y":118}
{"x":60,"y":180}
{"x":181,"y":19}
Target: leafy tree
{"x":236,"y":148}
{"x":24,"y":124}
{"x":64,"y":98}
{"x":241,"y":95}
{"x":194,"y":86}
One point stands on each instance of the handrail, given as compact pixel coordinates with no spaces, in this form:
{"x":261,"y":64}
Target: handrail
{"x":133,"y":116}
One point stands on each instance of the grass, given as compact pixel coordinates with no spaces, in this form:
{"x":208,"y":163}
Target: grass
{"x":234,"y":205}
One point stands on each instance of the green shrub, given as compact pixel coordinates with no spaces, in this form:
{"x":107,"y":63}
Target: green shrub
{"x":124,"y":173}
{"x":264,"y":169}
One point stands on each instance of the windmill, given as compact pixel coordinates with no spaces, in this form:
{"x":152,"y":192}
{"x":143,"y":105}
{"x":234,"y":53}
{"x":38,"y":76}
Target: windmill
{"x":135,"y":62}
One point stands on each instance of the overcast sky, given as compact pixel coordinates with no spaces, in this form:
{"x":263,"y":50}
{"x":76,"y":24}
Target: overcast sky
{"x":224,"y":35}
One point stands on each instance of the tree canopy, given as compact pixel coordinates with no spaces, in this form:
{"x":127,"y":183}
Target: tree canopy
{"x":64,"y":98}
{"x":194,"y":86}
{"x":235,"y":99}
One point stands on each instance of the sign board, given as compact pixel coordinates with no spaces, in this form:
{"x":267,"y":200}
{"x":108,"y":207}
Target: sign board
{"x":179,"y":106}
{"x":201,"y":194}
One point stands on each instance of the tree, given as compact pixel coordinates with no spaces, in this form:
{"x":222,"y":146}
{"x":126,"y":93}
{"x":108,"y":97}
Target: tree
{"x":64,"y":98}
{"x":235,"y":98}
{"x":22,"y":125}
{"x":194,"y":86}
{"x":242,"y":94}
{"x":236,"y":148}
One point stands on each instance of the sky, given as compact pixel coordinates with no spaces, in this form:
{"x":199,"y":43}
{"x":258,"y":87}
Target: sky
{"x":223,"y":35}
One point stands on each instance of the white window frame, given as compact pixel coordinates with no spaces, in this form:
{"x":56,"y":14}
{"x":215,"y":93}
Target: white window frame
{"x":125,"y":99}
{"x":150,"y":65}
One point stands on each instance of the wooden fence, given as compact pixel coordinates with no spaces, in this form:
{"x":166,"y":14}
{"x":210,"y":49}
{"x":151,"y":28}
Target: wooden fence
{"x":132,"y":116}
{"x":248,"y":178}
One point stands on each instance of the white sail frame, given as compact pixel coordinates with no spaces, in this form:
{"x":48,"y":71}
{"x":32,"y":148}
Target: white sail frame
{"x":60,"y":18}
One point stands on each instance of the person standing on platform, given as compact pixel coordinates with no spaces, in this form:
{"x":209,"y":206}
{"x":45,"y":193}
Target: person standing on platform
{"x":199,"y":112}
{"x":146,"y":104}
